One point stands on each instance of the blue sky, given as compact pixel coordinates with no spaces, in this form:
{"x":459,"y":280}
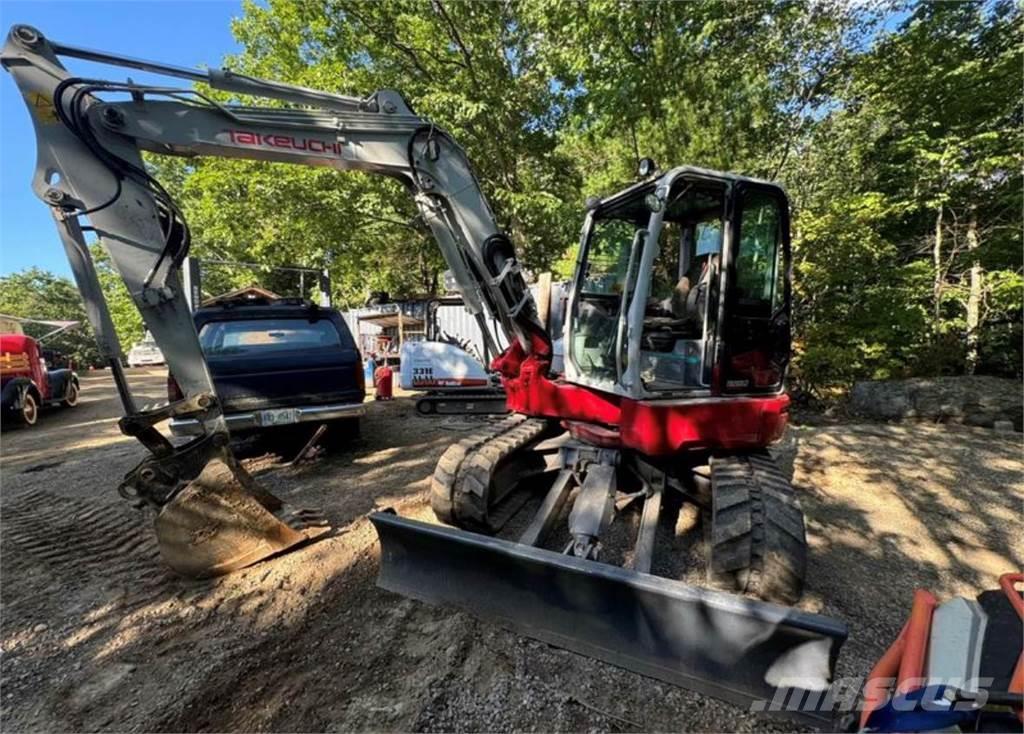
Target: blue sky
{"x":190,"y":33}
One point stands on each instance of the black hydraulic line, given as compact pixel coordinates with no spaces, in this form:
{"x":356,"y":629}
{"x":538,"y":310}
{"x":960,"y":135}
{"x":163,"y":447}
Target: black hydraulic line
{"x":76,"y":120}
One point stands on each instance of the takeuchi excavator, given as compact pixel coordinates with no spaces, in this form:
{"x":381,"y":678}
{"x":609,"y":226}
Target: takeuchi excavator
{"x":553,"y":520}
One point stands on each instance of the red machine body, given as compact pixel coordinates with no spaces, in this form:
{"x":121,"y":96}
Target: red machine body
{"x":652,"y":427}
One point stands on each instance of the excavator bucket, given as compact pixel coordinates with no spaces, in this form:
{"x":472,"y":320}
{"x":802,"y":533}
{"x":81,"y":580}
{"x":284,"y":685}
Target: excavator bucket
{"x":734,"y":648}
{"x":222,"y":521}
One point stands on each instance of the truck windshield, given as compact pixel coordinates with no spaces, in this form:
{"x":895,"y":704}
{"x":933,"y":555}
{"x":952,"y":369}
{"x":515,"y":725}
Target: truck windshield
{"x":266,"y":335}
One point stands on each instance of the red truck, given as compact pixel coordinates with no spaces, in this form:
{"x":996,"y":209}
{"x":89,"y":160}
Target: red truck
{"x":26,"y":384}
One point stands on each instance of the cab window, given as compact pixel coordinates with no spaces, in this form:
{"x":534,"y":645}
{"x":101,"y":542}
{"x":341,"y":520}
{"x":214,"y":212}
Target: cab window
{"x":679,"y":320}
{"x":759,"y":279}
{"x":756,"y":332}
{"x":608,"y":257}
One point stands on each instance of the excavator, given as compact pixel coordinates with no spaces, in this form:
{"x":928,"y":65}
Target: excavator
{"x":552,"y":520}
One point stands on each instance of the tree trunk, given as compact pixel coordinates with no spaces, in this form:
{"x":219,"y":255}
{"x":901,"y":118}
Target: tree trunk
{"x":974,"y":295}
{"x":939,"y":278}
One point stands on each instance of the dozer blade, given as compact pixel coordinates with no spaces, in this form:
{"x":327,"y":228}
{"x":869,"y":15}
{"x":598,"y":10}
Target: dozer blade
{"x":721,"y":645}
{"x":222,"y":521}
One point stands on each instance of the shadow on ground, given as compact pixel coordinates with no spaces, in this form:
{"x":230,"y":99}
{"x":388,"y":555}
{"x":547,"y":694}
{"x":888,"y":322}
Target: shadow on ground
{"x":96,"y":634}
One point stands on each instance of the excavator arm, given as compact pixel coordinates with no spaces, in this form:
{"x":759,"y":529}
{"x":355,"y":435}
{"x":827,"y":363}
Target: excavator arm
{"x":212,"y":517}
{"x":91,"y":134}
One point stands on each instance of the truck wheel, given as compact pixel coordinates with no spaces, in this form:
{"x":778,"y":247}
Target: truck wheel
{"x":758,"y":542}
{"x":29,"y":413}
{"x":71,"y":396}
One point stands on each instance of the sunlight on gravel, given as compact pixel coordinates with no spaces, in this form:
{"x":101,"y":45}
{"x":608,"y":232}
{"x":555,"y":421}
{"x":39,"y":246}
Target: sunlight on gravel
{"x":97,"y":634}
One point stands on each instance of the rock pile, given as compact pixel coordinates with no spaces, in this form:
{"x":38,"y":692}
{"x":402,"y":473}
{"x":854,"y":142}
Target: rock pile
{"x":976,"y":400}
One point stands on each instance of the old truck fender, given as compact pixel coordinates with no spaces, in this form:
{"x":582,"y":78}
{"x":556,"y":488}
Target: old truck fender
{"x":14,"y":389}
{"x":58,"y":383}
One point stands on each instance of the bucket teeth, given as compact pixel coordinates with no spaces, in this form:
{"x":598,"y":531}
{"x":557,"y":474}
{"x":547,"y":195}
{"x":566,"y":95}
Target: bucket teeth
{"x":302,"y":518}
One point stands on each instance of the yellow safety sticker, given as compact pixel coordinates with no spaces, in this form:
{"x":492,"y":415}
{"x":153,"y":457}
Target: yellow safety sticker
{"x":42,"y":107}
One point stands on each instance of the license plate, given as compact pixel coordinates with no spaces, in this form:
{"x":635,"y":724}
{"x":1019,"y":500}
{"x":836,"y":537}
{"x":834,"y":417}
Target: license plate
{"x":279,"y":417}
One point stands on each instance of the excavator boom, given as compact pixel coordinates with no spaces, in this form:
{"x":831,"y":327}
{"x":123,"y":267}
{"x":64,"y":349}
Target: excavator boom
{"x":91,"y":134}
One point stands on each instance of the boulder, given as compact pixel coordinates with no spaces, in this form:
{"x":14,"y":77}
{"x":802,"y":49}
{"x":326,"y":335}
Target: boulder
{"x":977,"y":400}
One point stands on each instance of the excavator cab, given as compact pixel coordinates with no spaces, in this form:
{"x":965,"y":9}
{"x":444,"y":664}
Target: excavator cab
{"x":681,"y":290}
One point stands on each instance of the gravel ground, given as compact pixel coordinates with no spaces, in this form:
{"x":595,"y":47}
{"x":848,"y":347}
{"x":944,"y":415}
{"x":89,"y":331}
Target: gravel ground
{"x":96,"y":635}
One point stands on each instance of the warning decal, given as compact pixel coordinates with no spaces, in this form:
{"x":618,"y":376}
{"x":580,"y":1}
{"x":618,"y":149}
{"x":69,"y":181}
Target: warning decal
{"x":42,"y":108}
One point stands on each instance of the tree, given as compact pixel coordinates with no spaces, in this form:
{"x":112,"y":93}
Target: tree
{"x":719,"y":85}
{"x":34,"y":293}
{"x":922,"y":130}
{"x":39,"y":294}
{"x":891,"y":125}
{"x":471,"y":68}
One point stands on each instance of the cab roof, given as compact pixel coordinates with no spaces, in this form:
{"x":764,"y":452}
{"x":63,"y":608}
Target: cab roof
{"x":711,"y":176}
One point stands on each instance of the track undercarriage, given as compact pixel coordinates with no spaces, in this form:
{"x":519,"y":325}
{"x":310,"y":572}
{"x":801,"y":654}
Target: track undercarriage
{"x":557,"y":537}
{"x":757,"y":542}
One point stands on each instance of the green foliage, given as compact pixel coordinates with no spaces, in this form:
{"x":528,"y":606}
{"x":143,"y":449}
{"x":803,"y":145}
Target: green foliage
{"x":38,"y":294}
{"x":279,"y":215}
{"x":719,"y":85}
{"x":855,"y":306}
{"x":895,"y":128}
{"x":923,"y":126}
{"x":469,"y":67}
{"x":123,"y":312}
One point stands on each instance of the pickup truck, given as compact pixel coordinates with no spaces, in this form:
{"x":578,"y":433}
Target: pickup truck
{"x":26,"y":384}
{"x":278,"y":363}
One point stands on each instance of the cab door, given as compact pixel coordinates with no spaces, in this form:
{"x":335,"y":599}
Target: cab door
{"x":756,"y":327}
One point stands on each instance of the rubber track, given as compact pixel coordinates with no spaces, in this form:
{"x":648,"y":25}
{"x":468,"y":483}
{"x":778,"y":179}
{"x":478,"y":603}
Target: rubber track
{"x":758,"y":540}
{"x":442,"y":484}
{"x":496,"y":403}
{"x":460,"y":486}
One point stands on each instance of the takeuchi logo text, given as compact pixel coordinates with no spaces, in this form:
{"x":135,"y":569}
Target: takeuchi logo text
{"x":288,"y":142}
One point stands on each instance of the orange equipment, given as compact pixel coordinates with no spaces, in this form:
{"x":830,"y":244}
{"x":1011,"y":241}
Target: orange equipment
{"x":926,"y":686}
